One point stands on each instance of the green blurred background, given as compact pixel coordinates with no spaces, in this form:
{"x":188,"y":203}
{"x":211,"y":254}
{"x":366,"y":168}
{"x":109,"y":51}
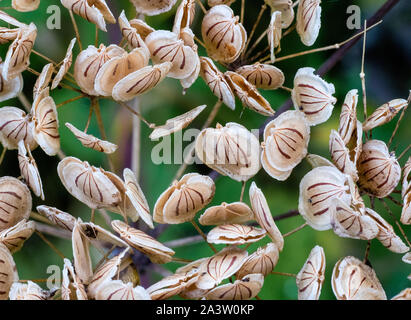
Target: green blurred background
{"x":387,"y":70}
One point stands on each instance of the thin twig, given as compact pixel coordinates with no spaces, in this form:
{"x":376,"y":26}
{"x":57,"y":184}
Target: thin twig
{"x":242,"y":11}
{"x":138,"y":114}
{"x":184,"y":241}
{"x":202,"y":6}
{"x":136,"y":140}
{"x":284,"y":274}
{"x":367,"y":251}
{"x":73,"y":20}
{"x":70,"y":100}
{"x":260,"y":14}
{"x":53,"y":231}
{"x":52,"y":246}
{"x":255,"y":44}
{"x":243,"y":183}
{"x":203,"y":235}
{"x":399,"y":120}
{"x":295,"y":230}
{"x":404,"y":152}
{"x":43,"y":56}
{"x":3,"y":153}
{"x":362,"y":74}
{"x":396,"y":221}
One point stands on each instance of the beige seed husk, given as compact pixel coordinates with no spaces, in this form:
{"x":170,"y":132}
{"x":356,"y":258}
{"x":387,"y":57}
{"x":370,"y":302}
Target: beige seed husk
{"x":235,"y":234}
{"x":9,"y":88}
{"x":226,"y":213}
{"x":384,"y":114}
{"x":65,"y":65}
{"x":14,"y":237}
{"x":403,"y":295}
{"x":286,"y":9}
{"x":309,"y":21}
{"x":118,"y":290}
{"x":71,"y":287}
{"x":262,"y":76}
{"x":274,"y":33}
{"x":43,"y":80}
{"x":60,"y":218}
{"x":340,"y":155}
{"x":27,"y":291}
{"x":8,"y":272}
{"x":348,"y":116}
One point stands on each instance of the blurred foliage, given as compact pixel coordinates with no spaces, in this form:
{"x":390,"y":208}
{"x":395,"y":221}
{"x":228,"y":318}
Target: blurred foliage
{"x":387,"y":70}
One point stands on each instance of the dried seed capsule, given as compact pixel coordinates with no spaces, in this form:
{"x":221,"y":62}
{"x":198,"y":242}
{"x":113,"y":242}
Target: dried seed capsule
{"x":309,"y":20}
{"x":43,"y":80}
{"x":216,"y":81}
{"x":60,"y":218}
{"x":184,"y":198}
{"x":341,"y":155}
{"x":15,"y":202}
{"x":248,"y":94}
{"x":403,"y":295}
{"x":142,"y":28}
{"x":14,"y":237}
{"x":28,"y":291}
{"x":188,"y":81}
{"x":235,"y":234}
{"x":81,"y":254}
{"x":132,"y":35}
{"x":65,"y":65}
{"x":231,"y":150}
{"x":378,"y":169}
{"x":184,"y":15}
{"x":236,"y":212}
{"x":25,"y":5}
{"x":262,"y":76}
{"x":29,"y":170}
{"x":406,"y":170}
{"x":15,"y":125}
{"x":8,"y":272}
{"x":313,"y":96}
{"x":71,"y":287}
{"x":94,"y":232}
{"x":245,"y":289}
{"x":7,"y":34}
{"x":261,"y":261}
{"x":384,"y":114}
{"x":273,"y":172}
{"x":223,"y":35}
{"x":118,"y":290}
{"x":318,"y":190}
{"x":406,"y":209}
{"x":354,"y":280}
{"x":286,"y":140}
{"x":172,"y":285}
{"x":9,"y":88}
{"x":348,"y":116}
{"x":407,"y":258}
{"x":310,"y":279}
{"x":153,"y":7}
{"x":286,"y":9}
{"x":263,"y":215}
{"x":274,"y":33}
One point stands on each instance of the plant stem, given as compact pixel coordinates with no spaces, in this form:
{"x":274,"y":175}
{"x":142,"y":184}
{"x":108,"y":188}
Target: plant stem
{"x":289,"y":214}
{"x":203,"y":235}
{"x":73,"y":20}
{"x":243,"y":183}
{"x":43,"y":56}
{"x":399,"y":120}
{"x":242,"y":11}
{"x":284,"y":274}
{"x":181,"y":260}
{"x":295,"y":230}
{"x":52,"y":246}
{"x":3,"y":153}
{"x":184,"y":241}
{"x":255,"y":44}
{"x":202,"y":6}
{"x":404,"y":152}
{"x":396,"y":221}
{"x":367,"y":251}
{"x":70,"y":100}
{"x":136,"y":140}
{"x":150,"y":125}
{"x":362,"y":74}
{"x":260,"y":14}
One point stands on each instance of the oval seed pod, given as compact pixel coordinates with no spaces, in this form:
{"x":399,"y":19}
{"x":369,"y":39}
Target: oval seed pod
{"x":132,"y":35}
{"x":378,"y":169}
{"x":244,"y":289}
{"x":94,"y":232}
{"x":65,"y":65}
{"x":176,"y":124}
{"x":354,"y":280}
{"x":309,"y":21}
{"x":142,"y":28}
{"x":263,"y":215}
{"x":226,"y":213}
{"x":10,"y":20}
{"x":348,"y":116}
{"x":310,"y":279}
{"x":406,"y":184}
{"x":14,"y":237}
{"x":156,"y":251}
{"x":220,"y":266}
{"x":10,"y":88}
{"x":318,"y":190}
{"x":81,"y":254}
{"x":186,"y":83}
{"x":223,"y":35}
{"x":29,"y":170}
{"x":25,"y":5}
{"x":184,"y":198}
{"x":216,"y":82}
{"x":384,"y":114}
{"x":96,"y":11}
{"x":8,"y":272}
{"x":71,"y":287}
{"x":313,"y":96}
{"x":286,"y":140}
{"x":89,"y":62}
{"x":273,"y":172}
{"x":262,"y":76}
{"x":118,"y":290}
{"x":140,"y":81}
{"x":7,"y":35}
{"x":184,"y":15}
{"x":89,"y":141}
{"x":248,"y":94}
{"x":406,"y":210}
{"x":231,"y":150}
{"x":43,"y":80}
{"x":60,"y":218}
{"x":172,"y":285}
{"x":286,"y":9}
{"x":403,"y":295}
{"x":15,"y":202}
{"x":235,"y":234}
{"x":274,"y":33}
{"x":261,"y":261}
{"x":18,"y":54}
{"x":153,"y":7}
{"x":340,"y":155}
{"x":28,"y":291}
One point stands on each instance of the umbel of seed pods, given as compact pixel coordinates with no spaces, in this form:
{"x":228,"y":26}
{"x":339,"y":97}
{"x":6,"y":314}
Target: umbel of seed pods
{"x":330,"y":194}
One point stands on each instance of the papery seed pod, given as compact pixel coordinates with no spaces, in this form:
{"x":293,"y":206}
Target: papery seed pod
{"x":309,"y":21}
{"x":406,"y":210}
{"x":81,"y":254}
{"x":142,"y":28}
{"x":153,"y":7}
{"x":225,"y":213}
{"x":406,"y":178}
{"x":216,"y":81}
{"x":65,"y":65}
{"x":60,"y":218}
{"x":10,"y":88}
{"x":313,"y":96}
{"x":231,"y":150}
{"x":25,"y":5}
{"x":156,"y":251}
{"x":165,"y":46}
{"x":354,"y":280}
{"x":184,"y":198}
{"x":407,"y":258}
{"x":137,"y":197}
{"x":184,"y":15}
{"x":96,"y":11}
{"x":386,"y":234}
{"x":261,"y":261}
{"x":43,"y":80}
{"x":384,"y":114}
{"x":220,"y":266}
{"x":274,"y":33}
{"x":118,"y":290}
{"x":18,"y":54}
{"x":89,"y":62}
{"x":8,"y":272}
{"x":286,"y":9}
{"x":341,"y":155}
{"x":310,"y":279}
{"x":235,"y":234}
{"x":318,"y":190}
{"x":212,"y":3}
{"x":88,"y":184}
{"x":286,"y":140}
{"x":262,"y":76}
{"x":15,"y":202}
{"x":192,"y":266}
{"x":378,"y":169}
{"x":273,"y":172}
{"x":355,"y":144}
{"x":10,"y":20}
{"x":71,"y":287}
{"x":118,"y":68}
{"x":317,"y":161}
{"x":140,"y":81}
{"x":89,"y":141}
{"x":7,"y":34}
{"x":94,"y":232}
{"x":46,"y":124}
{"x":172,"y":285}
{"x":14,"y":237}
{"x":403,"y":295}
{"x":223,"y":35}
{"x":176,"y":124}
{"x":348,"y":116}
{"x":263,"y":215}
{"x":186,"y":83}
{"x":248,"y":94}
{"x":29,"y":170}
{"x":27,"y":291}
{"x":245,"y":289}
